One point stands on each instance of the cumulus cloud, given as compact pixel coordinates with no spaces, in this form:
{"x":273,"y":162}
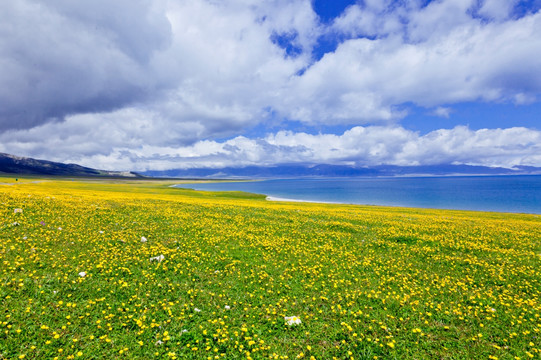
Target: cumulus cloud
{"x":359,"y":146}
{"x":497,"y":9}
{"x":375,"y":145}
{"x":146,"y":84}
{"x":433,"y":55}
{"x":189,"y":59}
{"x":442,"y":111}
{"x":192,"y":58}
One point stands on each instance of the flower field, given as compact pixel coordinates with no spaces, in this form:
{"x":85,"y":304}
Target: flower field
{"x":136,"y":269}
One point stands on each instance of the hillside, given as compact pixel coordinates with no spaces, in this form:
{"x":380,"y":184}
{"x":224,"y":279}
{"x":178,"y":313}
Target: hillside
{"x":11,"y":164}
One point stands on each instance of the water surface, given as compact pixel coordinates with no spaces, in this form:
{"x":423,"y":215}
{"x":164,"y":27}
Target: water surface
{"x":519,"y":194}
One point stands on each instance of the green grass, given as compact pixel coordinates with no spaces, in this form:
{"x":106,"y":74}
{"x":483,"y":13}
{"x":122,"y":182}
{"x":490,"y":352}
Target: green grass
{"x":366,"y":282}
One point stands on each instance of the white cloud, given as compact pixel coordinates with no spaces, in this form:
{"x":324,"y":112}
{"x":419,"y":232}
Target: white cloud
{"x":141,"y":84}
{"x":497,"y":9}
{"x":190,"y":58}
{"x":364,"y":146}
{"x":442,"y":111}
{"x":429,"y":62}
{"x":489,"y":147}
{"x":368,"y":21}
{"x":439,"y":18}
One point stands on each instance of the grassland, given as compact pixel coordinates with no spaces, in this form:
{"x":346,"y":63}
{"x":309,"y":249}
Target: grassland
{"x":135,"y":269}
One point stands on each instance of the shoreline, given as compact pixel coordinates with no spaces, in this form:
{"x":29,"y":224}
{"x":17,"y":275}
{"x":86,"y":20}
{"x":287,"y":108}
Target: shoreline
{"x":279,"y":199}
{"x":275,"y":198}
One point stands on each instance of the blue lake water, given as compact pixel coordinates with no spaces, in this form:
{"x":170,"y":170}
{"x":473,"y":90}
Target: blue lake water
{"x":518,"y":194}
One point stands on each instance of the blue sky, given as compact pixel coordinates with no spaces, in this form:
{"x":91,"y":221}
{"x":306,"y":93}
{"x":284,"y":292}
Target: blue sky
{"x":156,"y":85}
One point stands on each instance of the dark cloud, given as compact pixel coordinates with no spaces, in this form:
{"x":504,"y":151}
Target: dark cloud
{"x":69,"y":57}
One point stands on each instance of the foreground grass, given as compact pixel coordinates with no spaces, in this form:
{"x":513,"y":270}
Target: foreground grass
{"x":77,"y":281}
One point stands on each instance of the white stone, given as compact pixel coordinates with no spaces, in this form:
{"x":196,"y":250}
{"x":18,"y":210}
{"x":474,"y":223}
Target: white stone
{"x":158,"y":258}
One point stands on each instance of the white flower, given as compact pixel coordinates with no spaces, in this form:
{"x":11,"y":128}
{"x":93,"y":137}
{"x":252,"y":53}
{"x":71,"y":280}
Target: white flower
{"x":184,"y":331}
{"x":143,"y":239}
{"x":157,"y":258}
{"x":101,"y":231}
{"x":15,"y":224}
{"x":197,"y":310}
{"x":15,"y":211}
{"x":82,"y":274}
{"x":227,"y":307}
{"x":159,"y":342}
{"x":59,"y":228}
{"x":292,"y":320}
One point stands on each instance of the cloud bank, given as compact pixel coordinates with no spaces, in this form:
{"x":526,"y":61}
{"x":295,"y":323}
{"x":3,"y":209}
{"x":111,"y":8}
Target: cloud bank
{"x":154,"y":84}
{"x":359,"y":146}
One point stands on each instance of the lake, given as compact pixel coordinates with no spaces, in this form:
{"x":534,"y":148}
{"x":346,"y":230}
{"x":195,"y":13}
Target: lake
{"x":518,"y":194}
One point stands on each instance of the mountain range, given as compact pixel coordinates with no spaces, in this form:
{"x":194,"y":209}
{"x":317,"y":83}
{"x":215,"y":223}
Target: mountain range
{"x":324,"y":170}
{"x":11,"y":164}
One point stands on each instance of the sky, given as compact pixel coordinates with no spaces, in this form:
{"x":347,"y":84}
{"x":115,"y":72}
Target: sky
{"x":173,"y":84}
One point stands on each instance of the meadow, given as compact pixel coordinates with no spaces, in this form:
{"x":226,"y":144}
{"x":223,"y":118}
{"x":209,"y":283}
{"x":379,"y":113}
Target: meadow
{"x":96,"y":269}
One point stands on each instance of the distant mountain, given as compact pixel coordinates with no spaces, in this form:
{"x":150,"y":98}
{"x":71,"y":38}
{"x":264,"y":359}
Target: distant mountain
{"x":11,"y":164}
{"x":323,"y":170}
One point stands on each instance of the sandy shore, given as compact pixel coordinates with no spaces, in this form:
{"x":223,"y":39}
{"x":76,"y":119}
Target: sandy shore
{"x":273,"y":198}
